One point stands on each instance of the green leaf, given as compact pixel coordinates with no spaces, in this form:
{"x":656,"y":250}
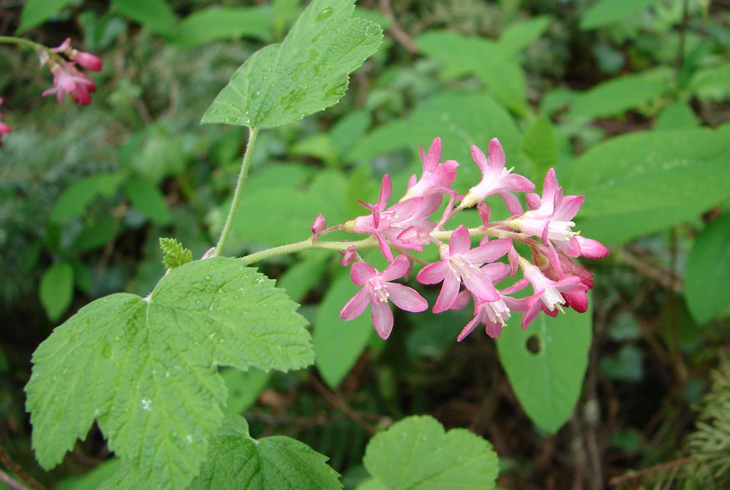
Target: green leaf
{"x":94,"y":235}
{"x":711,"y":83}
{"x":285,"y":11}
{"x":349,"y":130}
{"x":644,"y":182}
{"x":74,"y":200}
{"x":518,"y":36}
{"x":155,"y":14}
{"x":417,"y":453}
{"x":495,"y":65}
{"x":338,"y":344}
{"x":548,"y":383}
{"x":610,"y":11}
{"x":148,"y":200}
{"x":93,"y":479}
{"x":319,"y":146}
{"x":147,"y":369}
{"x":307,"y":73}
{"x":175,"y":254}
{"x":460,"y":119}
{"x":36,"y":12}
{"x":239,"y":462}
{"x":244,"y":388}
{"x":300,"y":278}
{"x":708,"y":267}
{"x":224,"y":24}
{"x":678,"y":115}
{"x":621,"y":94}
{"x":541,"y":146}
{"x":371,"y":484}
{"x":56,"y":291}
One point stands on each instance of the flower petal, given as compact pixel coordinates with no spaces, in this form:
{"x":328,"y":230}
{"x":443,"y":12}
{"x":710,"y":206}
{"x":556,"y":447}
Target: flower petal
{"x":462,"y":300}
{"x":356,"y":305}
{"x":549,"y":187}
{"x":494,"y":330}
{"x":480,"y":286}
{"x":384,"y":247}
{"x":591,"y":248}
{"x":397,"y":269}
{"x":362,"y":272}
{"x":386,"y":189}
{"x":478,"y":156}
{"x":496,"y":272}
{"x":448,"y":294}
{"x":434,"y":156}
{"x":517,"y":183}
{"x":497,"y":158}
{"x":533,"y":309}
{"x":568,"y":208}
{"x":484,"y":212}
{"x":382,"y":318}
{"x":432,"y":273}
{"x":489,"y":252}
{"x":533,"y":200}
{"x":460,"y":241}
{"x":512,"y":202}
{"x":578,"y":301}
{"x":469,"y":328}
{"x":406,"y":298}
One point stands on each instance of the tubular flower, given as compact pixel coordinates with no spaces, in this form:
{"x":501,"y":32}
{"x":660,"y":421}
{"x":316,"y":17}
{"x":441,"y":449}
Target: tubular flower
{"x":85,"y":60}
{"x":494,"y":314}
{"x":377,"y":290}
{"x":548,"y":295}
{"x":496,"y":179}
{"x":459,"y":263}
{"x":436,"y":178}
{"x":68,"y":80}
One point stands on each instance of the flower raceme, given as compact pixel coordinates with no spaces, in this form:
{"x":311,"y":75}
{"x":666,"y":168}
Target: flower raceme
{"x":4,"y":128}
{"x":470,"y":273}
{"x":67,"y":79}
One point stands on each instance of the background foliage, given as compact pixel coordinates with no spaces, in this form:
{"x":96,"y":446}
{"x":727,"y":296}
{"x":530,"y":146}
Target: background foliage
{"x":629,"y":100}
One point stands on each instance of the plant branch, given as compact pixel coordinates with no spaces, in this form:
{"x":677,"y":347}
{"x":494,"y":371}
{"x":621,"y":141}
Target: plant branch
{"x":18,"y":470}
{"x":7,"y":480}
{"x":246,"y":164}
{"x":33,"y":45}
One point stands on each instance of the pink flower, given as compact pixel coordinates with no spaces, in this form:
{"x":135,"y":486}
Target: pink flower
{"x":496,"y":179}
{"x":550,"y":218}
{"x":68,"y":80}
{"x":436,"y":177}
{"x":559,"y":267}
{"x":318,"y":226}
{"x":548,"y":295}
{"x":389,"y":224}
{"x":4,"y":128}
{"x":349,"y":256}
{"x":461,"y":263}
{"x":85,"y":60}
{"x":377,"y":290}
{"x":494,"y":314}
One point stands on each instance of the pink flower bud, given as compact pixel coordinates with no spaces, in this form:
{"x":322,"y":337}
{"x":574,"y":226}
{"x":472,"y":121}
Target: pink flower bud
{"x":350,"y":256}
{"x":68,"y":80}
{"x":208,"y":254}
{"x":319,"y":224}
{"x":87,"y":60}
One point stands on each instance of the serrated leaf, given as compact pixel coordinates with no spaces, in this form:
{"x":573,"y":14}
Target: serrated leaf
{"x":493,"y":64}
{"x":224,"y":23}
{"x":237,"y":461}
{"x":644,"y":182}
{"x":610,"y":11}
{"x":155,"y":14}
{"x":548,"y":383}
{"x":307,"y":73}
{"x":541,"y":146}
{"x":621,"y":94}
{"x":461,"y":120}
{"x":74,"y":200}
{"x":36,"y":12}
{"x":147,"y":369}
{"x":417,"y":453}
{"x":175,"y":254}
{"x":56,"y":291}
{"x":708,"y":267}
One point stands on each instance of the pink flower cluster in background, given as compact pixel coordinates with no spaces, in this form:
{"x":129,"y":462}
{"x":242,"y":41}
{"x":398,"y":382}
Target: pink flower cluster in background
{"x":4,"y":128}
{"x":67,"y":78}
{"x":467,"y":273}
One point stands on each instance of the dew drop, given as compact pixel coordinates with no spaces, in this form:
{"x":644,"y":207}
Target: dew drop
{"x":146,"y":404}
{"x":324,"y":14}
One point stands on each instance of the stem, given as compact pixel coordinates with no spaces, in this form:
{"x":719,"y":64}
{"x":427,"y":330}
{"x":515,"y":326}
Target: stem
{"x":237,"y":195}
{"x":309,"y":245}
{"x":33,"y":45}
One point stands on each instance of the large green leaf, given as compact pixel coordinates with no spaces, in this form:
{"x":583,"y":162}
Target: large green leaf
{"x":417,"y":453}
{"x":155,"y":14}
{"x":644,"y":182}
{"x":609,"y":11}
{"x":540,"y":144}
{"x":519,"y":35}
{"x":74,"y":200}
{"x":461,"y":120}
{"x":224,"y":23}
{"x":548,"y":383}
{"x":706,"y":286}
{"x":147,"y":198}
{"x":36,"y":12}
{"x":621,"y":94}
{"x":493,"y":64}
{"x":307,"y":73}
{"x":147,"y":368}
{"x":239,"y":462}
{"x":56,"y":291}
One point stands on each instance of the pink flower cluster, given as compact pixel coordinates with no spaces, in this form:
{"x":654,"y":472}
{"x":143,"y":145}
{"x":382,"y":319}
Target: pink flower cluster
{"x":4,"y":128}
{"x":67,"y":79}
{"x":465,"y":272}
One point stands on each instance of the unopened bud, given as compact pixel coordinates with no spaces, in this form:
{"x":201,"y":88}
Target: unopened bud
{"x":319,"y":224}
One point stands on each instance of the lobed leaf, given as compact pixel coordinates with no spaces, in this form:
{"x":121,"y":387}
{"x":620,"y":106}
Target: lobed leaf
{"x":308,"y":72}
{"x":147,"y":369}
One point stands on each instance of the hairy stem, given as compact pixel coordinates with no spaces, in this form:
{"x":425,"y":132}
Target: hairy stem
{"x":32,"y":45}
{"x":237,"y":195}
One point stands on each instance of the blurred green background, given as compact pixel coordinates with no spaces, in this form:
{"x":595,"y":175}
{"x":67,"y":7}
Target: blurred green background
{"x":629,"y":100}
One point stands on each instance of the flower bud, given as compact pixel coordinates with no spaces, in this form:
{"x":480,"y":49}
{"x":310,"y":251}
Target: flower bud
{"x":319,"y":224}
